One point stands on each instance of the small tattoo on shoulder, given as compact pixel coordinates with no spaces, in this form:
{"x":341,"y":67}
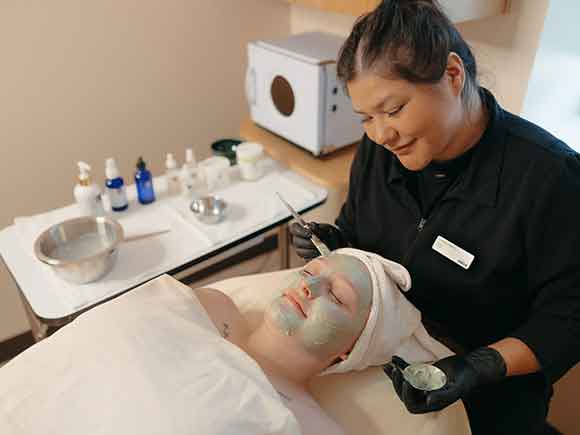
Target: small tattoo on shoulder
{"x":284,"y":396}
{"x":226,"y":330}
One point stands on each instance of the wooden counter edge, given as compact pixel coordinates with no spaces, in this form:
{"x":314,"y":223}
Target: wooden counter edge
{"x":331,"y":171}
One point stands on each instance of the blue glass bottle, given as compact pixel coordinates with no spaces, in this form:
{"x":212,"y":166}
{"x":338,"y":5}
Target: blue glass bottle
{"x":115,"y":186}
{"x":144,"y":183}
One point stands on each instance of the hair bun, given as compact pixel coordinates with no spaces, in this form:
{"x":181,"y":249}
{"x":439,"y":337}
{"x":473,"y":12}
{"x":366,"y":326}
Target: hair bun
{"x":407,"y":39}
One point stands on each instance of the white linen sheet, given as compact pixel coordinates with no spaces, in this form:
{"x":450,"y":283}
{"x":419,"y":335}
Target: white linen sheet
{"x":148,"y":362}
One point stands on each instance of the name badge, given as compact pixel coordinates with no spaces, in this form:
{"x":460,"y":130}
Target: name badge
{"x":453,"y":252}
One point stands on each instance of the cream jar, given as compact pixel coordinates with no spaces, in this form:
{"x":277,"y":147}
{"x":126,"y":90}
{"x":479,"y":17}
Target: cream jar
{"x":248,"y":155}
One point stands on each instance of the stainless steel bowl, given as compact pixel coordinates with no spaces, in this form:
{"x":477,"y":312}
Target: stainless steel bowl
{"x":209,"y":209}
{"x":80,"y":250}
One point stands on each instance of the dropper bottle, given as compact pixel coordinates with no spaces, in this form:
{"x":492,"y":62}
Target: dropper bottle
{"x":172,"y":175}
{"x":144,"y":183}
{"x":190,"y":159}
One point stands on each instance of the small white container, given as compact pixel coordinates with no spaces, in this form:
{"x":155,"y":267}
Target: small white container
{"x":248,"y":155}
{"x":172,"y":175}
{"x":216,"y":172}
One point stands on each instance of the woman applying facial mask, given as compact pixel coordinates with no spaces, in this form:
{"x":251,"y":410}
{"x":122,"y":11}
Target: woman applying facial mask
{"x":478,"y":204}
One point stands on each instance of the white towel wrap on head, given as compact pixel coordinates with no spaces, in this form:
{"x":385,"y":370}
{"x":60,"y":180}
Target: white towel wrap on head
{"x":394,"y":325}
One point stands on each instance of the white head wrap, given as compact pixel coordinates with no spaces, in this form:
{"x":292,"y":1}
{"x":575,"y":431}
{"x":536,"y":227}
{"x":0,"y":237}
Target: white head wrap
{"x":394,"y":325}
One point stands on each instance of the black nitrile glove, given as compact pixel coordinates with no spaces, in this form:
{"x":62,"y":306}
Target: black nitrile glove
{"x":328,"y":234}
{"x":464,"y":373}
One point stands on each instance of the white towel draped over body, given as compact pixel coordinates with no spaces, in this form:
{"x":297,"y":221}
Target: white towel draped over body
{"x":394,"y":325}
{"x":149,"y":362}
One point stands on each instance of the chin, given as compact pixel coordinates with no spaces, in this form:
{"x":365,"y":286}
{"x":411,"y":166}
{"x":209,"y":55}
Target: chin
{"x":412,"y":163}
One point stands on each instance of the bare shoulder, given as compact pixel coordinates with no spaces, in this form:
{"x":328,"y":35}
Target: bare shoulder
{"x":211,"y":296}
{"x":224,"y":314}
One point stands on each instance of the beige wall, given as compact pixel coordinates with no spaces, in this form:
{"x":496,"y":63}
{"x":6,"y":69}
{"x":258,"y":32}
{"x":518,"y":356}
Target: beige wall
{"x":505,"y":47}
{"x":89,"y":80}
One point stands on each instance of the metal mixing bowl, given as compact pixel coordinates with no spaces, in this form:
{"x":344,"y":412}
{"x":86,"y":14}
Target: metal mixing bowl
{"x":80,"y":250}
{"x":209,"y":209}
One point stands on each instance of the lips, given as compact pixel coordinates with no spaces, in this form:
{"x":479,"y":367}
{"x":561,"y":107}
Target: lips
{"x":296,"y":303}
{"x":404,"y":148}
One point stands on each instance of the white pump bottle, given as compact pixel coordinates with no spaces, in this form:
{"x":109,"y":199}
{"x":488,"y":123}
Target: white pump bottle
{"x":88,"y":194}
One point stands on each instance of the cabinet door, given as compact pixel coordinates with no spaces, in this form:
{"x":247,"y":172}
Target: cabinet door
{"x":457,"y":10}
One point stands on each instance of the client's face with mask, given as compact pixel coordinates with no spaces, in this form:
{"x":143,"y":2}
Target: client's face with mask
{"x":327,"y":306}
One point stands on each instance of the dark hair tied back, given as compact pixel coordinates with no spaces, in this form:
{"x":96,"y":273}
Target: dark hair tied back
{"x":410,"y":39}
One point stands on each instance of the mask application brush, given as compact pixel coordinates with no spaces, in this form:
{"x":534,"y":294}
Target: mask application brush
{"x":318,"y":244}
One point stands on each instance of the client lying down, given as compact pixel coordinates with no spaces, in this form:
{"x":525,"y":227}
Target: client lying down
{"x":314,"y":322}
{"x":153,"y":361}
{"x":343,"y":313}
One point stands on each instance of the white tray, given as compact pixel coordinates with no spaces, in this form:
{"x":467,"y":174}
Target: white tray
{"x":253,"y":207}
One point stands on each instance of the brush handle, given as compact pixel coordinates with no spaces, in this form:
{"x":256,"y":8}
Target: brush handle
{"x":144,"y":235}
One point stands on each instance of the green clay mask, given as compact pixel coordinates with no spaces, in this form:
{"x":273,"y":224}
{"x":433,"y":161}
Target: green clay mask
{"x":337,"y":302}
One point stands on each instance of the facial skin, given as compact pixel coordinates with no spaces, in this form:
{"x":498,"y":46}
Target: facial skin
{"x":327,"y":309}
{"x":419,"y":123}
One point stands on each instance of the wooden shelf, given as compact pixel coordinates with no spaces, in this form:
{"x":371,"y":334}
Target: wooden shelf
{"x":331,"y":171}
{"x":457,"y":10}
{"x":350,"y":7}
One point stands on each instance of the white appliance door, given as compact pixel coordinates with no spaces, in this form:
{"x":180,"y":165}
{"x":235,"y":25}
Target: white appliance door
{"x":343,"y":125}
{"x":287,"y":96}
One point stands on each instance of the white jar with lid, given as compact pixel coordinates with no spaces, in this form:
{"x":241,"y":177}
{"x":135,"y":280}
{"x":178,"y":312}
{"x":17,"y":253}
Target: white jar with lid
{"x":248,"y":155}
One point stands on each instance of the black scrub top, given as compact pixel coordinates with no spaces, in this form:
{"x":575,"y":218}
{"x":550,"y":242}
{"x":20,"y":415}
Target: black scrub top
{"x":515,"y":207}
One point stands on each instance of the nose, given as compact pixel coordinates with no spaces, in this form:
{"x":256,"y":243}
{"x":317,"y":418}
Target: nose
{"x":313,"y":286}
{"x":384,"y":135}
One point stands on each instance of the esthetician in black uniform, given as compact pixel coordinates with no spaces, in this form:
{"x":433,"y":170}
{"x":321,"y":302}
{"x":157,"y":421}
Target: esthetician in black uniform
{"x":481,"y":206}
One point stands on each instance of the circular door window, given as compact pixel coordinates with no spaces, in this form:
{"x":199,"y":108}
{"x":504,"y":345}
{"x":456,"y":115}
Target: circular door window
{"x":282,"y":95}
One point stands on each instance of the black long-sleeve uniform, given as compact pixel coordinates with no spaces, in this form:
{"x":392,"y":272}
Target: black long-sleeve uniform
{"x":514,"y":203}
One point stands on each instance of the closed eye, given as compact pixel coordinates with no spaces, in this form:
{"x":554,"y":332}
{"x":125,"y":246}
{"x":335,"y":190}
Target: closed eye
{"x":334,"y":298}
{"x":396,"y":111}
{"x":390,"y":114}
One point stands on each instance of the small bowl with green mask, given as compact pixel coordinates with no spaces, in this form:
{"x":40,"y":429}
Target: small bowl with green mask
{"x":226,"y":148}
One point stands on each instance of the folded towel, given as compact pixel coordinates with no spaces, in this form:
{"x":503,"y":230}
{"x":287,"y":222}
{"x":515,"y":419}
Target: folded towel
{"x":394,"y":325}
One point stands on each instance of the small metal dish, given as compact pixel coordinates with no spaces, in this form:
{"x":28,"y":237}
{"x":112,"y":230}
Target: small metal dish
{"x":209,"y":209}
{"x":80,"y":250}
{"x":425,"y":377}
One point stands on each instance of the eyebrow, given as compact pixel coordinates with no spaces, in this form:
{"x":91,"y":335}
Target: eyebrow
{"x":380,"y":104}
{"x":317,"y":261}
